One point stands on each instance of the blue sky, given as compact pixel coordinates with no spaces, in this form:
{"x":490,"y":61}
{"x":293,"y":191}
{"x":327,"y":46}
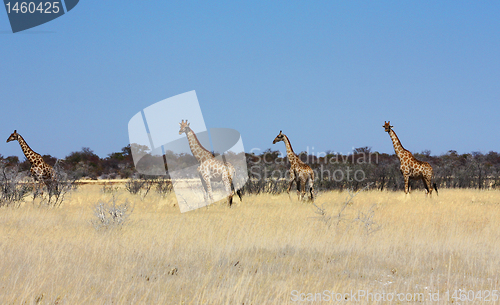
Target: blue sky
{"x":326,"y":73}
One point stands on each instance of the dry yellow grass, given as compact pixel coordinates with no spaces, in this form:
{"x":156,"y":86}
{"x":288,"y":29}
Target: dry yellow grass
{"x":265,"y":250}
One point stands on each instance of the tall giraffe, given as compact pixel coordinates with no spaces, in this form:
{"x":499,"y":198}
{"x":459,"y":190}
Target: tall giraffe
{"x":41,"y":171}
{"x":411,"y":168}
{"x":300,"y":172}
{"x":210,"y":168}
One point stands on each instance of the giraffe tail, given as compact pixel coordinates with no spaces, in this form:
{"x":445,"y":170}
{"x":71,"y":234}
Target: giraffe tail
{"x":436,"y":188}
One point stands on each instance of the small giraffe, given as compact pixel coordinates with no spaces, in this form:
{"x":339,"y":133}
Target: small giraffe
{"x":411,"y":168}
{"x":41,"y":171}
{"x":300,"y":172}
{"x":210,"y":168}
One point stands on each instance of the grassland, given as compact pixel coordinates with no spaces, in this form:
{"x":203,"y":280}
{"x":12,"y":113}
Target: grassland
{"x":265,"y":250}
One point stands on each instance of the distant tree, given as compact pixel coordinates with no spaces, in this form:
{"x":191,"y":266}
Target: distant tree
{"x":84,"y":163}
{"x":12,"y":160}
{"x":363,"y":150}
{"x":49,"y":160}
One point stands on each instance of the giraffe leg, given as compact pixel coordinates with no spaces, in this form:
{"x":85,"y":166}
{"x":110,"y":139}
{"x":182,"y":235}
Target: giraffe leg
{"x":233,"y":186}
{"x":204,"y":184}
{"x":428,"y":185}
{"x":238,"y":192}
{"x":35,"y":189}
{"x":311,"y":189}
{"x":50,"y":186}
{"x":51,"y":182}
{"x":228,"y":183}
{"x":235,"y":191}
{"x":209,"y":189}
{"x":208,"y":185}
{"x":36,"y":181}
{"x":303,"y":188}
{"x":407,"y":178}
{"x":298,"y":189}
{"x":292,"y":179}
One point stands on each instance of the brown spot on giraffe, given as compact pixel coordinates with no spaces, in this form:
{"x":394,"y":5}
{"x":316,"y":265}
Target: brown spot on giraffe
{"x":41,"y":171}
{"x":210,"y":169}
{"x":300,"y":172}
{"x":411,"y":168}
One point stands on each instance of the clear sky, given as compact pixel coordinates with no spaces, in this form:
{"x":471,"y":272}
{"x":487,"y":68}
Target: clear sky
{"x":326,"y":73}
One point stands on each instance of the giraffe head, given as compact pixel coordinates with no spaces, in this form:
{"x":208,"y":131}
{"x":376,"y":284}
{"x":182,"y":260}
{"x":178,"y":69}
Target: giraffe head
{"x":387,"y":126}
{"x":13,"y":137}
{"x":280,"y":137}
{"x":184,"y":127}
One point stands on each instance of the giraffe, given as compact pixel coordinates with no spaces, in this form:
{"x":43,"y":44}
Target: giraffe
{"x":210,"y":168}
{"x":411,"y":168}
{"x":41,"y":171}
{"x":300,"y":172}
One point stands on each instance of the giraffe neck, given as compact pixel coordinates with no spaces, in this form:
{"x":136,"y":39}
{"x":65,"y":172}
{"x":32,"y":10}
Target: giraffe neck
{"x":292,"y":157}
{"x":398,"y":148}
{"x":199,"y":152}
{"x":28,"y":152}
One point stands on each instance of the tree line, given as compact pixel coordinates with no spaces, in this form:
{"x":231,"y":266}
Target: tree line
{"x":269,"y":169}
{"x":381,"y":170}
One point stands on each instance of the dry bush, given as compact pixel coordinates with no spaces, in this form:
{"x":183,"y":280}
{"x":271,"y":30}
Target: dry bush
{"x":58,"y":188}
{"x":134,"y":185}
{"x":143,"y":185}
{"x":164,"y":186}
{"x":265,"y":186}
{"x":109,"y":214}
{"x":363,"y":218}
{"x":109,"y":188}
{"x":13,"y":189}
